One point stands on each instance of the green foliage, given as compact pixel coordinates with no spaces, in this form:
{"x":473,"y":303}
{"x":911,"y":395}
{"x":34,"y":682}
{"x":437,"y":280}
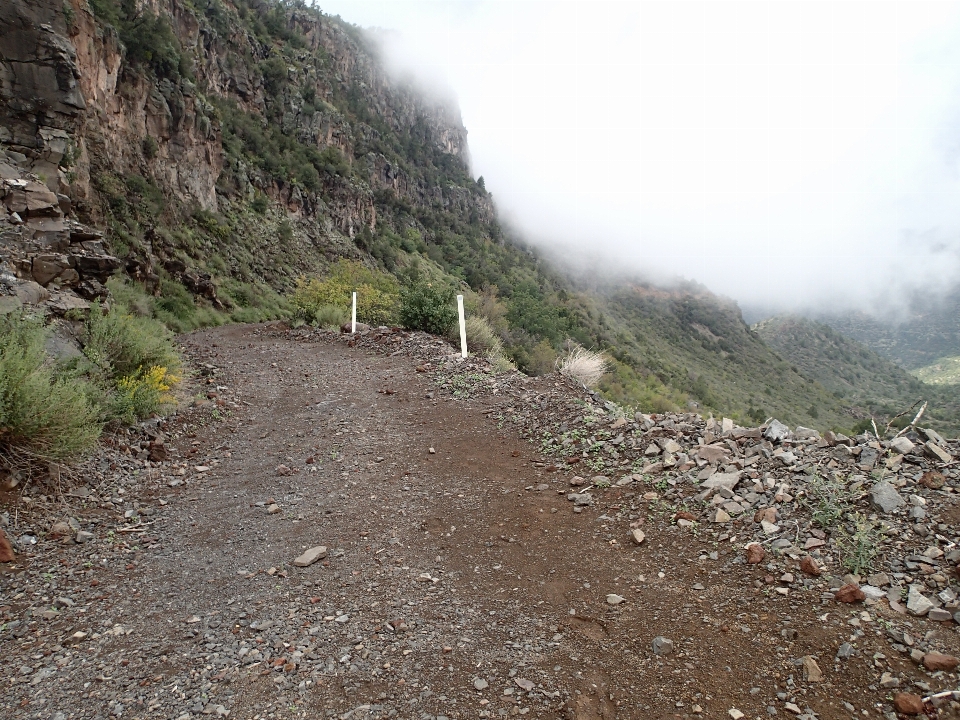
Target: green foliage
{"x":149,"y":41}
{"x":282,"y":157}
{"x":828,"y":499}
{"x":43,"y":414}
{"x":259,"y":204}
{"x":429,"y":307}
{"x":150,"y":147}
{"x":120,"y":344}
{"x":378,"y":293}
{"x":858,"y":543}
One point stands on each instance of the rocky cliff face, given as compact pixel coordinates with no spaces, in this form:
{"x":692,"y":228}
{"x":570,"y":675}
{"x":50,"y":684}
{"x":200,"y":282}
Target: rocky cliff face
{"x":88,"y":102}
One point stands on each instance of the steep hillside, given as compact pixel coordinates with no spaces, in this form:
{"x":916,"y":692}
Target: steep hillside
{"x":866,"y":383}
{"x":930,"y":330}
{"x":699,"y":343}
{"x":228,"y":148}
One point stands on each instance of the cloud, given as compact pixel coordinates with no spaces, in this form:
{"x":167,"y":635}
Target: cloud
{"x":787,"y":154}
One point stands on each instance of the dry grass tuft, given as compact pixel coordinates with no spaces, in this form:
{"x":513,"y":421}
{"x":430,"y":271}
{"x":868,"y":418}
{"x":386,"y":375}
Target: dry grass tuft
{"x":584,"y":366}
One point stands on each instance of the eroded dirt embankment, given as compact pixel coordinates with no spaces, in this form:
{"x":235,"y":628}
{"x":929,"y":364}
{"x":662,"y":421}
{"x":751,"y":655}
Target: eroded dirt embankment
{"x":458,"y":582}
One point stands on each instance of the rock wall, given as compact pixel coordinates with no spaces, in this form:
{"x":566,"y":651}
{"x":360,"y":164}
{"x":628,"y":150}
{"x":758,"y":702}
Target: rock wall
{"x":73,"y":108}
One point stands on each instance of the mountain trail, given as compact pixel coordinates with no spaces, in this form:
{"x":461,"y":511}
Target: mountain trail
{"x":457,"y":580}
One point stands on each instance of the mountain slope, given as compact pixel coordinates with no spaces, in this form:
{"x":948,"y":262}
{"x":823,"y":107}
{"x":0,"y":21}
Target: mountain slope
{"x":929,"y":331}
{"x":228,"y":148}
{"x":866,"y":383}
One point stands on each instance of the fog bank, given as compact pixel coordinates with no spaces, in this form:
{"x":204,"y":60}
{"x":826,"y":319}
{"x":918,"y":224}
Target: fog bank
{"x":791,"y":155}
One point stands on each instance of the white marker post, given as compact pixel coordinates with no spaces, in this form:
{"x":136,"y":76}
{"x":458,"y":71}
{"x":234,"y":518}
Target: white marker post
{"x":463,"y":327}
{"x":353,"y":326}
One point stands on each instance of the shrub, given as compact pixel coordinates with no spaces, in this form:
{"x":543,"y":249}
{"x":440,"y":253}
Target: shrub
{"x":378,"y":294}
{"x":481,"y":337}
{"x":43,"y":416}
{"x":121,"y":345}
{"x":428,"y":307}
{"x":132,"y":360}
{"x":584,"y":366}
{"x":143,"y":394}
{"x":330,"y":316}
{"x":858,"y":544}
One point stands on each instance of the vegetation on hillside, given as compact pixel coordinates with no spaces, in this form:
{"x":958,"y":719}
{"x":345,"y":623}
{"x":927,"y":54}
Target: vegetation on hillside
{"x":433,"y":233}
{"x":945,"y":371}
{"x":865,"y":383}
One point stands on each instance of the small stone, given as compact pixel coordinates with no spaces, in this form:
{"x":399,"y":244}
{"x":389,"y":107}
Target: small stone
{"x":480,"y":684}
{"x":850,"y":593}
{"x":524,"y":684}
{"x":888,"y":681}
{"x":614,"y":599}
{"x":811,"y":671}
{"x":637,"y":536}
{"x":580,"y":499}
{"x":662,"y":645}
{"x":60,"y":529}
{"x":937,"y":661}
{"x":755,"y":553}
{"x":908,"y":704}
{"x":936,"y":452}
{"x":885,"y":497}
{"x":84,"y":536}
{"x":735,"y":714}
{"x":311,"y":556}
{"x":939,"y":615}
{"x":917,"y":603}
{"x":722,"y":516}
{"x":273,"y":509}
{"x":809,"y":566}
{"x":933,"y":480}
{"x":769,"y":528}
{"x":776,"y":431}
{"x":902,"y":445}
{"x":845,"y":651}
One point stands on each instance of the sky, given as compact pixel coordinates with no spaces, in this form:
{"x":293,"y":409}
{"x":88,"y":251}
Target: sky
{"x":790,"y":155}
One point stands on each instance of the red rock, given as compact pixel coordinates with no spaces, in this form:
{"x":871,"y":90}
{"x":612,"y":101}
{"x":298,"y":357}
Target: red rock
{"x":937,"y":661}
{"x":6,"y":551}
{"x":933,"y":480}
{"x":908,"y":704}
{"x":810,"y":566}
{"x":684,"y":515}
{"x":755,"y":553}
{"x":850,"y":594}
{"x":769,"y":514}
{"x":157,"y":451}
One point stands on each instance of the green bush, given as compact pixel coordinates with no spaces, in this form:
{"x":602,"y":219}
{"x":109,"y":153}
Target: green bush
{"x":428,"y":307}
{"x":330,"y":316}
{"x":47,"y":417}
{"x":378,"y":293}
{"x":121,"y":345}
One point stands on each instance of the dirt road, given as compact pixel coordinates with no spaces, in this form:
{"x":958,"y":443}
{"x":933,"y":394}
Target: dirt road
{"x":458,"y":580}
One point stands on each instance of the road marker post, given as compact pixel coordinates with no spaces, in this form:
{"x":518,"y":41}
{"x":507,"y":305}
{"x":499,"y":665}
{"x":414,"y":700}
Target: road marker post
{"x":463,"y":327}
{"x":353,"y":325}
